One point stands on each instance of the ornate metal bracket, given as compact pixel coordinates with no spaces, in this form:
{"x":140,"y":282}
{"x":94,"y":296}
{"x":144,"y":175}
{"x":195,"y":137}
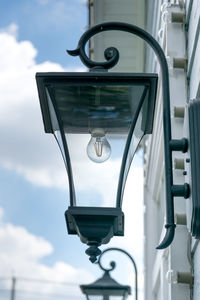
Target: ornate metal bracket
{"x":113,"y":265}
{"x":112,"y":56}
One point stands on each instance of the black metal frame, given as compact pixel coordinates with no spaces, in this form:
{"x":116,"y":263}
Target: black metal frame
{"x":112,"y":57}
{"x":95,"y":225}
{"x":126,"y":151}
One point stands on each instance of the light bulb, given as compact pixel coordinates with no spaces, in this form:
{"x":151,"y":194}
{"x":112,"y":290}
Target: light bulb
{"x":98,"y":148}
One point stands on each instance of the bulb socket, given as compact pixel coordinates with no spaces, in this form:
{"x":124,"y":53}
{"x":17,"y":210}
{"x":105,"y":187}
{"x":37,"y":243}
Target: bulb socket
{"x":97,"y":132}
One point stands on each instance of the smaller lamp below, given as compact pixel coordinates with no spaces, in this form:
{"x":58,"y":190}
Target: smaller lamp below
{"x":106,"y":288}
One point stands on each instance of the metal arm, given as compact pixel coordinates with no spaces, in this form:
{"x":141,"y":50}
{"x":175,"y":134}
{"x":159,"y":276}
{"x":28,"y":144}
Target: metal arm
{"x":112,"y":57}
{"x":112,"y":264}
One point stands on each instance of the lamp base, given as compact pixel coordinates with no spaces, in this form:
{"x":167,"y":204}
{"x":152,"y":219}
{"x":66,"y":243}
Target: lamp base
{"x":95,"y":226}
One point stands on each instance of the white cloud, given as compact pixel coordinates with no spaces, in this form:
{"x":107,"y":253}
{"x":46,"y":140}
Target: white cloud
{"x":12,"y":29}
{"x":25,"y":148}
{"x":21,"y":254}
{"x":1,"y":213}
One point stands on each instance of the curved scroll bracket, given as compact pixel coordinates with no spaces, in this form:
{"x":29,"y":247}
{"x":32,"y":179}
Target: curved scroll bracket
{"x":113,"y":265}
{"x":75,"y":52}
{"x":112,"y":56}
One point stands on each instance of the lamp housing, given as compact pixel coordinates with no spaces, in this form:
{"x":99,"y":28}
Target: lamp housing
{"x":79,"y":106}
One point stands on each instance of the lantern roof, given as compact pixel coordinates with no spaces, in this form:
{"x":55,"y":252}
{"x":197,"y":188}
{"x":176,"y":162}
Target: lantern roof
{"x":95,"y":97}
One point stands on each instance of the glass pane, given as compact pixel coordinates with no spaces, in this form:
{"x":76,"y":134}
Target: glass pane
{"x":84,"y":108}
{"x":101,"y":116}
{"x":135,"y":140}
{"x":55,"y":125}
{"x":95,"y":183}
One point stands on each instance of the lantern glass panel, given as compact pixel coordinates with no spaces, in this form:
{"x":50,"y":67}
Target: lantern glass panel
{"x":96,"y":109}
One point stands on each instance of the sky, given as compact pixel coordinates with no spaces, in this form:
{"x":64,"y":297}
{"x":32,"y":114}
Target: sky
{"x":34,"y":244}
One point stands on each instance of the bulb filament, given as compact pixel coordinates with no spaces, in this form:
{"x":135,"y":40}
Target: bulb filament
{"x":98,"y":148}
{"x":98,"y":145}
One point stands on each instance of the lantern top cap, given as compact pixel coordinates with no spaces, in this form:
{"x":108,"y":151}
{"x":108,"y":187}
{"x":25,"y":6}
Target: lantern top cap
{"x":106,"y":282}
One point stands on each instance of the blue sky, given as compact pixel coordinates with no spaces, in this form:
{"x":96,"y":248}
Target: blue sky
{"x":34,"y":35}
{"x":52,"y":26}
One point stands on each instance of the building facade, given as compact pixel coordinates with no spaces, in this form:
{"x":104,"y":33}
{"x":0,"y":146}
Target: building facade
{"x":131,"y":50}
{"x":173,"y":273}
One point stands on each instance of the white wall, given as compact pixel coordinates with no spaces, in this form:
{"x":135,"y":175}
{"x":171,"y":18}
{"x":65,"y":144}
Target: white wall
{"x":131,"y":49}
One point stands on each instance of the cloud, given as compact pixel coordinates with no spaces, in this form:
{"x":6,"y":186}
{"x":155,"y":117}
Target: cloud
{"x":12,"y":30}
{"x":24,"y":145}
{"x":21,"y":255}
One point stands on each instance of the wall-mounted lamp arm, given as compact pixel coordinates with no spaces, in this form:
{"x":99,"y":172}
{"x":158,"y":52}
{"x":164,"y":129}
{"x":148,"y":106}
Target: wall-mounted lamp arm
{"x":113,"y":265}
{"x":112,"y":56}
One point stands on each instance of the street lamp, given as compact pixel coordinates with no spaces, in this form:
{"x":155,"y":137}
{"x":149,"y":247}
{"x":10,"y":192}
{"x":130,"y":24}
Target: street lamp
{"x":106,"y":288}
{"x":98,"y":119}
